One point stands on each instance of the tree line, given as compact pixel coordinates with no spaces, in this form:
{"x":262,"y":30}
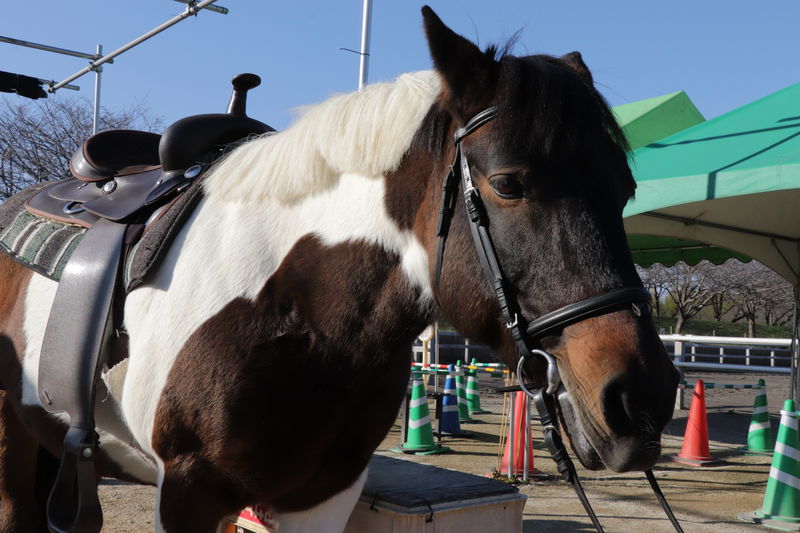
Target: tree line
{"x":734,"y":291}
{"x":37,"y":138}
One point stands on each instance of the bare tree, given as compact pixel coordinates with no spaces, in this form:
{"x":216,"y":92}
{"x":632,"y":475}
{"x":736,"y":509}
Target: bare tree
{"x":37,"y":138}
{"x":691,"y":288}
{"x":655,"y":280}
{"x":755,"y":290}
{"x":720,"y":304}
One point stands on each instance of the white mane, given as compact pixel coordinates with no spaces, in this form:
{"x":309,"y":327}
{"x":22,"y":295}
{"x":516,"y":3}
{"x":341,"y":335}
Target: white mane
{"x":365,"y":133}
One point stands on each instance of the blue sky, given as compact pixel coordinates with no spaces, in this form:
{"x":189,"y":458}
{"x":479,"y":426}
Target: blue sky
{"x":723,"y":54}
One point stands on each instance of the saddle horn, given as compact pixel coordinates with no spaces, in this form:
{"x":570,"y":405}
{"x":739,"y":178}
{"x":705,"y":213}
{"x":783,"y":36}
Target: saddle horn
{"x":241,"y":84}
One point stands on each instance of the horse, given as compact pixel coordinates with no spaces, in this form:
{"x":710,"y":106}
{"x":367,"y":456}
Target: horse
{"x":310,"y":265}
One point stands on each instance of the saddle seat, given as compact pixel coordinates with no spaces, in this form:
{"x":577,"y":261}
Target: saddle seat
{"x":115,"y":153}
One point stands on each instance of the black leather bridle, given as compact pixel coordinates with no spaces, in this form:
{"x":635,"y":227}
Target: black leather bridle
{"x":636,"y":299}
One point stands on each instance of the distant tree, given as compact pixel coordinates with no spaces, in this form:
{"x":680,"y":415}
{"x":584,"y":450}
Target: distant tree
{"x":691,"y":288}
{"x":37,"y":138}
{"x":755,"y":290}
{"x":720,"y":305}
{"x":655,"y":280}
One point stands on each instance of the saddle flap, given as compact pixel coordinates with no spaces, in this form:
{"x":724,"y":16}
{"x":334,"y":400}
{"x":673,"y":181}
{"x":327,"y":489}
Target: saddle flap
{"x":114,"y":200}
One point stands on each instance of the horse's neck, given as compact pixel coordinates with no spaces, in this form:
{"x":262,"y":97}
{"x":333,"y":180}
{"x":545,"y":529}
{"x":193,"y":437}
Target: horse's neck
{"x":229,"y":251}
{"x":248,"y":242}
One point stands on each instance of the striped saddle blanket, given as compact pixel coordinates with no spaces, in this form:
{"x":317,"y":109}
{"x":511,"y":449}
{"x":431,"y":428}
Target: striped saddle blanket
{"x":45,"y":245}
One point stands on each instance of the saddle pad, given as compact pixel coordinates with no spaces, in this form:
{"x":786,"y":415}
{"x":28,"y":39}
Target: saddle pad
{"x":38,"y":243}
{"x":45,"y":245}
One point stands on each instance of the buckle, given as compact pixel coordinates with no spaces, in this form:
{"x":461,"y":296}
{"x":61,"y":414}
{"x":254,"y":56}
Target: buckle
{"x":515,"y":323}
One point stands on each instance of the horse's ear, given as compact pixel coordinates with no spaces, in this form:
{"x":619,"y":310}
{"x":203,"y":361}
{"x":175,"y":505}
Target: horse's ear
{"x":469,"y":75}
{"x":574,"y":60}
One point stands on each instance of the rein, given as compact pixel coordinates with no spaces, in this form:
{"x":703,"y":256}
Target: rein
{"x":635,"y":298}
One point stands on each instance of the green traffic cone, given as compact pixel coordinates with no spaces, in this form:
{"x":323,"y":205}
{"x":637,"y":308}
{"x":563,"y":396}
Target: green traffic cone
{"x":781,"y":508}
{"x":473,"y":391}
{"x":419,"y":438}
{"x":759,"y":436}
{"x":463,"y":405}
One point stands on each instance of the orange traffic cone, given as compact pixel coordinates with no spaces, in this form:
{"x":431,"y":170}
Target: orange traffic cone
{"x":520,"y":437}
{"x":695,"y":451}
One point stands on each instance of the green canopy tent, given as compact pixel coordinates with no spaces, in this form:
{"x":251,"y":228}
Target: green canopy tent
{"x":649,"y":120}
{"x":728,"y":187}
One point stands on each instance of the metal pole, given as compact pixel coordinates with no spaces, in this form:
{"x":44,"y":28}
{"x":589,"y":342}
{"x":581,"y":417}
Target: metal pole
{"x":527,"y":442}
{"x":190,"y":10}
{"x":436,"y":355}
{"x":366,"y":23}
{"x":48,"y":48}
{"x":96,"y":109}
{"x":680,"y":399}
{"x":53,"y":82}
{"x":511,"y":447}
{"x":216,"y":9}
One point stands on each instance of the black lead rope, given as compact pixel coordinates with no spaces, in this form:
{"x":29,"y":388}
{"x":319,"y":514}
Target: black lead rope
{"x":558,"y":451}
{"x":544,"y":402}
{"x":662,"y":499}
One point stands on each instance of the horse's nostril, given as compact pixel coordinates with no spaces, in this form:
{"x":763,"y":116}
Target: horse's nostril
{"x":621,"y":408}
{"x":632,"y":409}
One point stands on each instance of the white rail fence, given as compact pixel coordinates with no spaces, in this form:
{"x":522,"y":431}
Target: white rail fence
{"x":690,"y":352}
{"x":729,"y":353}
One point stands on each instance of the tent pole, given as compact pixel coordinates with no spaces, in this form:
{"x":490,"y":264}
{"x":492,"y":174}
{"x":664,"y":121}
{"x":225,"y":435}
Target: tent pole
{"x":795,"y":350}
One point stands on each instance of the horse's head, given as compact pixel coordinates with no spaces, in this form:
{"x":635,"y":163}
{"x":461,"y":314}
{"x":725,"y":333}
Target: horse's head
{"x":552,"y":173}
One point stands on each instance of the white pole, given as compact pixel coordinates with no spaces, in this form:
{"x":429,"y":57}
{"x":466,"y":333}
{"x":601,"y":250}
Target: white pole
{"x":366,"y":23}
{"x":96,"y":110}
{"x":436,"y":355}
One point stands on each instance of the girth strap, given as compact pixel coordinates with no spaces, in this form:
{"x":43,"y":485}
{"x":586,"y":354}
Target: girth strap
{"x":76,"y":336}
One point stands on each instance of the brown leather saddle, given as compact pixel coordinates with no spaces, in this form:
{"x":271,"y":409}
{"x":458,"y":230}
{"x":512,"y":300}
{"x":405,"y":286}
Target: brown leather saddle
{"x":122,"y":179}
{"x":120,"y":174}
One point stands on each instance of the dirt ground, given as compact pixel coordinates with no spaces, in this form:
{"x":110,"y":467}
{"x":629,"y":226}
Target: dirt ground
{"x":704,"y":499}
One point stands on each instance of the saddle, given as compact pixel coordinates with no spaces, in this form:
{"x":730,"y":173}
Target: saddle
{"x":124,"y":182}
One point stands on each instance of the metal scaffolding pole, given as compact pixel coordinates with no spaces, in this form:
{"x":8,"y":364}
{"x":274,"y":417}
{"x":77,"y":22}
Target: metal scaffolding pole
{"x":48,"y":48}
{"x":366,"y":23}
{"x":96,"y":106}
{"x":191,"y":9}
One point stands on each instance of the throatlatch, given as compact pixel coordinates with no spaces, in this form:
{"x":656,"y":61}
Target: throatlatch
{"x":635,"y":298}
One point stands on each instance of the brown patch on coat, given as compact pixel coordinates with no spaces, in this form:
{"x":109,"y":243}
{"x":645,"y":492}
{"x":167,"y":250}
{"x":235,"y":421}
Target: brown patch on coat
{"x":14,"y":279}
{"x":282,"y":400}
{"x":18,"y":457}
{"x":413,"y":197}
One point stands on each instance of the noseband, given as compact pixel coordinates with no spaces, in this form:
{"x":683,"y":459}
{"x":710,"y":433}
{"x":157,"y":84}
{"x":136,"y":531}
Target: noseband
{"x":637,"y":299}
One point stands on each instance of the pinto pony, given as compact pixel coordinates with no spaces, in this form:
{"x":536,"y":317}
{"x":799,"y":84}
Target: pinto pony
{"x":307,"y":270}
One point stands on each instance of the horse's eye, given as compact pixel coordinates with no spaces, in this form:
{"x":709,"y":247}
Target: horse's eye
{"x":506,"y":186}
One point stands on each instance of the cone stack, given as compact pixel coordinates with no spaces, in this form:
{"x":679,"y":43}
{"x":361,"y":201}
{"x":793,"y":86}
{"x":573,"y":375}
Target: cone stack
{"x":419,"y":439}
{"x":759,"y":436}
{"x":463,"y":406}
{"x":473,"y":391}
